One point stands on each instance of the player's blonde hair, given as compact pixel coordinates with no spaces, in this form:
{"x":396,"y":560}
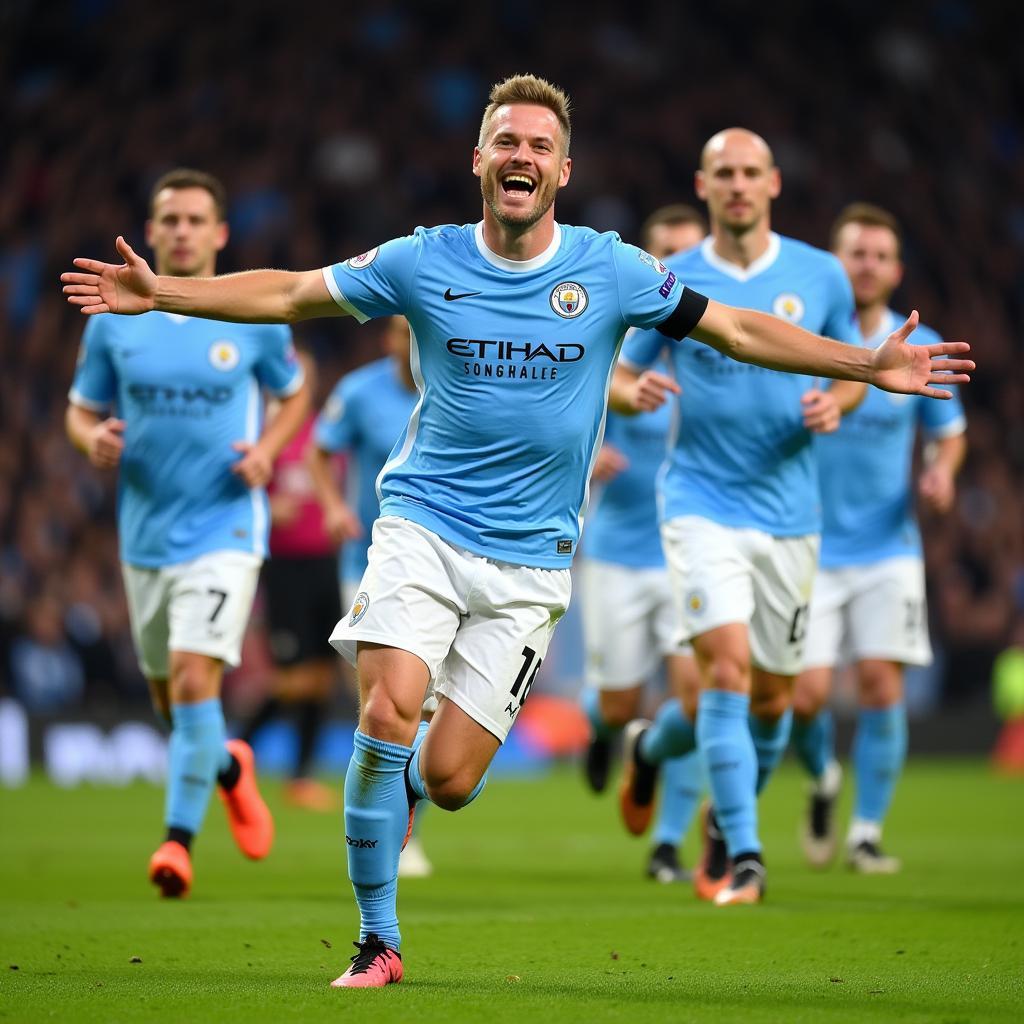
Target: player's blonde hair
{"x":535,"y":91}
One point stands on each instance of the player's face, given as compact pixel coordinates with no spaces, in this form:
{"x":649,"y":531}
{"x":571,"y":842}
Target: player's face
{"x":185,"y":232}
{"x":668,"y":239}
{"x":738,"y":182}
{"x":870,"y":254}
{"x":521,"y":165}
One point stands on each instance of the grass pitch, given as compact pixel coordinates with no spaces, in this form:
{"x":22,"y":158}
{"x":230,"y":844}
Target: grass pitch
{"x":538,"y":910}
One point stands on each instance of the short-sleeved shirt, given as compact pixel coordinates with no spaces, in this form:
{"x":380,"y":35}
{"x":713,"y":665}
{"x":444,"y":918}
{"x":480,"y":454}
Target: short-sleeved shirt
{"x":623,"y":525}
{"x":365,"y":416}
{"x":187,"y":389}
{"x":741,"y":455}
{"x":512,"y":361}
{"x":865,"y":467}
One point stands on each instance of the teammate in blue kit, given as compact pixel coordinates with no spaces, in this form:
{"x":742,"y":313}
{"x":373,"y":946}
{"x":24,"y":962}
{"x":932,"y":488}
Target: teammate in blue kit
{"x":630,"y":623}
{"x":516,"y":323}
{"x":175,"y":404}
{"x":740,"y":511}
{"x":868,"y":604}
{"x":363,"y":417}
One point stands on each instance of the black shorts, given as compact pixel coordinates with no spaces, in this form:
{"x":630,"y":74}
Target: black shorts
{"x":303,"y":607}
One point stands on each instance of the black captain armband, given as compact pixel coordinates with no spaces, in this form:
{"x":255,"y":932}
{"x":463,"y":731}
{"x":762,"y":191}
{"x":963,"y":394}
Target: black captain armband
{"x":685,"y":316}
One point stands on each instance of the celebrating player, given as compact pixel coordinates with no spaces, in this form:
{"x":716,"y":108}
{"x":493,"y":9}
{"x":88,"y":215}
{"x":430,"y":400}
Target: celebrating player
{"x":516,"y":323}
{"x":629,"y":620}
{"x":868,"y":604}
{"x":740,"y":515}
{"x":363,"y":417}
{"x":174,"y":404}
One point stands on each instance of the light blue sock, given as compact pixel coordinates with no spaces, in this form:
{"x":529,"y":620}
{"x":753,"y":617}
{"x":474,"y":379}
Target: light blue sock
{"x":196,"y":754}
{"x":414,"y":777}
{"x":770,"y":742}
{"x":376,"y":819}
{"x":671,"y":734}
{"x":879,"y":750}
{"x":590,"y":701}
{"x":680,"y":795}
{"x":814,"y":741}
{"x":730,"y":761}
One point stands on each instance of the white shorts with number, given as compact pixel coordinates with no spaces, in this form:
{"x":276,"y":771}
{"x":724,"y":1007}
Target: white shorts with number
{"x":874,"y":611}
{"x":630,"y":623}
{"x":200,"y":606}
{"x":481,"y":627}
{"x":722,"y":574}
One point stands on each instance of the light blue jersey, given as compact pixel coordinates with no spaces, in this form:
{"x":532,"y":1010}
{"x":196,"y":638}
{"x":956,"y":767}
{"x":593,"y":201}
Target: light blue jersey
{"x":865,"y":467}
{"x":623,"y":527}
{"x":513,"y":362}
{"x":187,"y":389}
{"x":741,"y":456}
{"x":365,"y":416}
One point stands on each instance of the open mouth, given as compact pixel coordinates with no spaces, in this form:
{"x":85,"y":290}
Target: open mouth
{"x":518,"y":186}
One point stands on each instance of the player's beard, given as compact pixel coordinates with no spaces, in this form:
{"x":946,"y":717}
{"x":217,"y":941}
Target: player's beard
{"x":544,"y":197}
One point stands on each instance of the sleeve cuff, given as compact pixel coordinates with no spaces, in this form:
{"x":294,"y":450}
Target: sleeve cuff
{"x":339,"y":297}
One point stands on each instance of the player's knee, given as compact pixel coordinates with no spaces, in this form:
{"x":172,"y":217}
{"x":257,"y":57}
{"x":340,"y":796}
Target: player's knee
{"x":193,"y":681}
{"x":881,"y":684}
{"x":384,"y":719}
{"x":770,"y":707}
{"x":726,"y":673}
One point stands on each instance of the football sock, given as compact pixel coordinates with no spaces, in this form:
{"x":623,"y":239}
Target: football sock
{"x":196,"y":753}
{"x":879,"y":750}
{"x":590,"y":700}
{"x":730,"y":763}
{"x":682,"y":786}
{"x":814,"y":742}
{"x":671,"y":734}
{"x":229,"y":771}
{"x":310,"y":716}
{"x":770,"y":742}
{"x":376,"y":819}
{"x":270,"y":709}
{"x":179,"y":835}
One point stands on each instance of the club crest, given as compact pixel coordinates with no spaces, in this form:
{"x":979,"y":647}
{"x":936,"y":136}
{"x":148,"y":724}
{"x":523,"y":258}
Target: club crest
{"x":789,"y":306}
{"x":359,"y":606}
{"x":224,"y":355}
{"x":569,"y":299}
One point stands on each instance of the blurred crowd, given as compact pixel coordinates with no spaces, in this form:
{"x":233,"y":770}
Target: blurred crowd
{"x":338,"y":127}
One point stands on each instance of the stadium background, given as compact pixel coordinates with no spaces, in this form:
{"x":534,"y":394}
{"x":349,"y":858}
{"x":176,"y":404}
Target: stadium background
{"x":336,"y":127}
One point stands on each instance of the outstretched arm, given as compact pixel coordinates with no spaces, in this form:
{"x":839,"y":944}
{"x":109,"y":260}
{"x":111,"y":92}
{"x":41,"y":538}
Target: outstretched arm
{"x":753,"y":337}
{"x":254,"y":297}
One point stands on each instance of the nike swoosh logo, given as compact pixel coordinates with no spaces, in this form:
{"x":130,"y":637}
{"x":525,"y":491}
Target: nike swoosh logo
{"x":448,"y":297}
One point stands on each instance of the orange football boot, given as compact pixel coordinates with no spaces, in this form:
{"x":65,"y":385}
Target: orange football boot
{"x":170,"y":870}
{"x":248,"y":815}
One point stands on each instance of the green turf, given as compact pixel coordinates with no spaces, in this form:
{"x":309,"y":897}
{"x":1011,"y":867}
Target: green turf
{"x":537,"y":911}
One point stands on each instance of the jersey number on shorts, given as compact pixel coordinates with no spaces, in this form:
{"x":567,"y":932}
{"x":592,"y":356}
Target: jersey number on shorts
{"x":221,"y":596}
{"x":798,"y":627}
{"x":525,"y":676}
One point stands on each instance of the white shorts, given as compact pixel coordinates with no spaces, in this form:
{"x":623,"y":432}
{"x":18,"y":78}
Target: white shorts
{"x":481,"y":627}
{"x":630,"y":623}
{"x":200,"y":606}
{"x":874,"y":611}
{"x":722,"y":574}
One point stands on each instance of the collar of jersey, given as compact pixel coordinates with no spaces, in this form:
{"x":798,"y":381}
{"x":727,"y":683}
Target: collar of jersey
{"x":886,"y":326}
{"x":762,"y":263}
{"x":517,"y":266}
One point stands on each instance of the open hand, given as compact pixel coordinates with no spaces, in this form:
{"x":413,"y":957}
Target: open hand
{"x":342,"y":524}
{"x":937,"y":488}
{"x":912,"y":369}
{"x":108,"y":288}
